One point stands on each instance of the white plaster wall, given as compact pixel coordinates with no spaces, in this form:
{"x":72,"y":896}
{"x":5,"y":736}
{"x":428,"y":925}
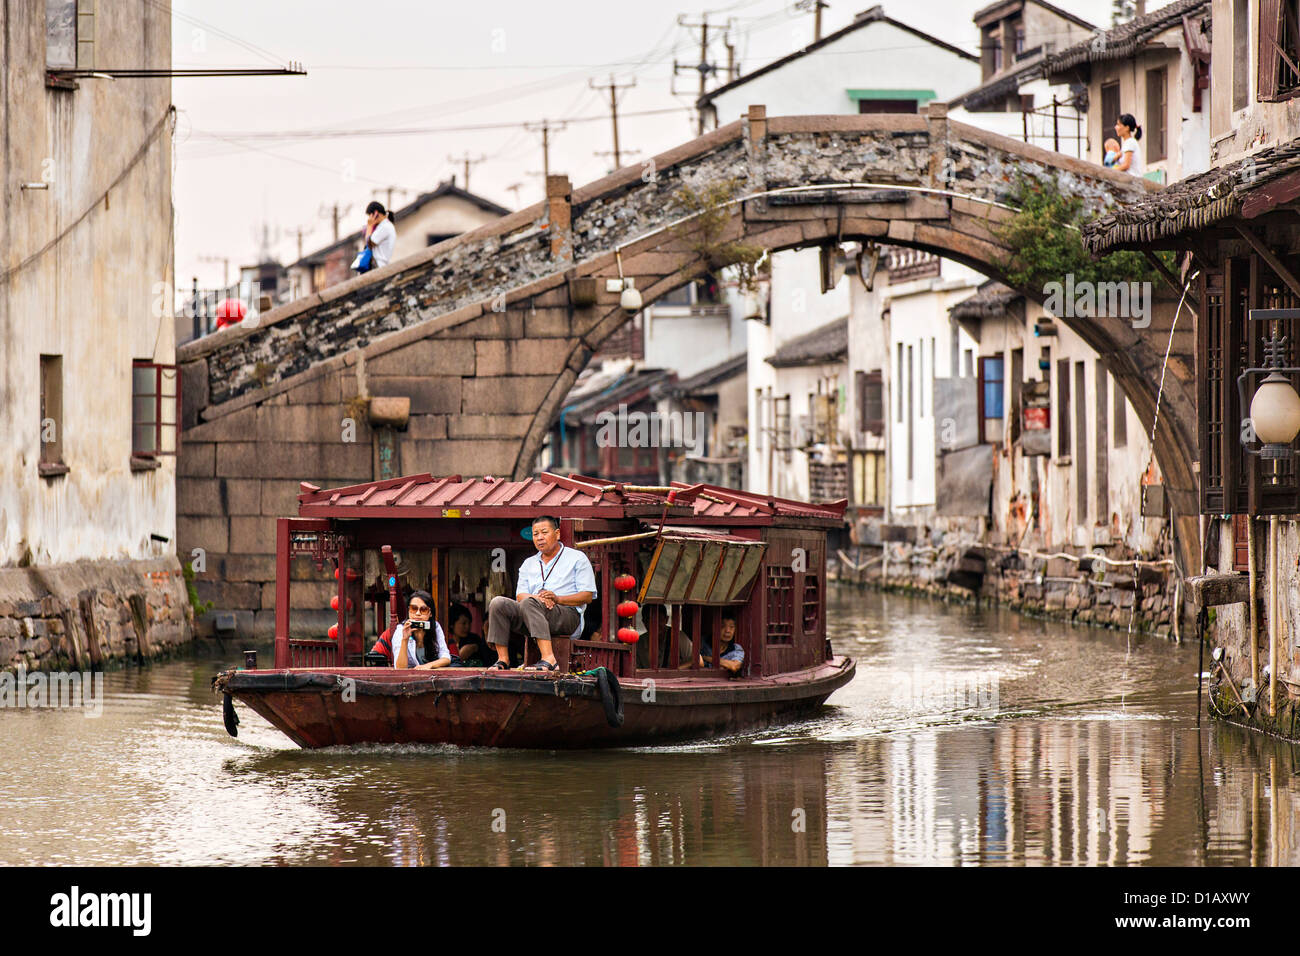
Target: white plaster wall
{"x":95,"y":297}
{"x":1063,"y":524}
{"x":918,"y":313}
{"x":877,"y":56}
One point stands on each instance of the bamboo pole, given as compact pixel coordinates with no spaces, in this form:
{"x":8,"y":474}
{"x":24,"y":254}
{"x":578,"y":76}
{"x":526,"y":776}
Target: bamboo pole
{"x":621,"y":538}
{"x":1272,"y":616}
{"x":1253,"y":571}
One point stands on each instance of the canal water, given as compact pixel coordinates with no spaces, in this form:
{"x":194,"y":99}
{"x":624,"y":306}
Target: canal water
{"x":969,"y":736}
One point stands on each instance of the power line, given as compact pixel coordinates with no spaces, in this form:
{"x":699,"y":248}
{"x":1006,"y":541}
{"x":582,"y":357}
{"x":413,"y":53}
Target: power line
{"x":260,"y":135}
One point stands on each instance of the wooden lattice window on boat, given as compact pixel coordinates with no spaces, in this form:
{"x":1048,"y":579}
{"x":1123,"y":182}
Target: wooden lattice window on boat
{"x":780,"y":605}
{"x":811,"y":604}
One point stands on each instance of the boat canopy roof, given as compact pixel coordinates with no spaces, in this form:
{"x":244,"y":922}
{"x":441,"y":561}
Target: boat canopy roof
{"x":575,"y":496}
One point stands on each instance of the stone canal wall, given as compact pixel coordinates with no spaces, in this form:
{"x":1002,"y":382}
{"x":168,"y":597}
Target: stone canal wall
{"x":1056,"y":587}
{"x":91,"y":613}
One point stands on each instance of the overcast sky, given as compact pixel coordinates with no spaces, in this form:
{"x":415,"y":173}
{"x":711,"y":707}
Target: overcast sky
{"x":434,"y":68}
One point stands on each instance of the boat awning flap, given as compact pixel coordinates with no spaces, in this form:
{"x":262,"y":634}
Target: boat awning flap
{"x":698,"y":567}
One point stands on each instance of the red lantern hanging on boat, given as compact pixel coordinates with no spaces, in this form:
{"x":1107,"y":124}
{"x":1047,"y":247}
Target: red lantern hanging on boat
{"x":333,"y":632}
{"x":625,"y":582}
{"x":628,"y":635}
{"x":627,"y":609}
{"x":230,"y":312}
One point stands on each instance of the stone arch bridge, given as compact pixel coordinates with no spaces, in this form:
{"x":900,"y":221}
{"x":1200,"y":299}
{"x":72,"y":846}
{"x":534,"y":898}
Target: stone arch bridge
{"x":487,"y":332}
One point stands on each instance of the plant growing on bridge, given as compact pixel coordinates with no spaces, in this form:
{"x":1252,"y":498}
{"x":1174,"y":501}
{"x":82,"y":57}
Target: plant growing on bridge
{"x":1045,"y":243}
{"x":703,"y":233}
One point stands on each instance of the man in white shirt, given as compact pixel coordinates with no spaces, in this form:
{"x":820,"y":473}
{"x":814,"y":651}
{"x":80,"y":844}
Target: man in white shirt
{"x":555,"y":586}
{"x":381,"y":236}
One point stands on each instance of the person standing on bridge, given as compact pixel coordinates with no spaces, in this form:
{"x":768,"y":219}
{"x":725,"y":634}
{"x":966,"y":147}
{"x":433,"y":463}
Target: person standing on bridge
{"x":1130,"y":154}
{"x":381,"y":234}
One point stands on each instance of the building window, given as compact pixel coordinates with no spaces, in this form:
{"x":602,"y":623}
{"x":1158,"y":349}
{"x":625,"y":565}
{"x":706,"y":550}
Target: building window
{"x":889,"y":106}
{"x":1121,"y":417}
{"x":1278,"y":54}
{"x":992,"y":383}
{"x":153,"y":409}
{"x":898,"y":383}
{"x":1109,"y":110}
{"x":1157,"y":112}
{"x":1103,"y":450}
{"x":1017,"y":28}
{"x":780,"y":605}
{"x":811,"y":603}
{"x":869,"y":480}
{"x":51,"y":430}
{"x":871,"y":402}
{"x":911,"y":418}
{"x":1081,"y":442}
{"x":1063,"y":407}
{"x":60,"y":34}
{"x":990,"y":51}
{"x":970,"y":364}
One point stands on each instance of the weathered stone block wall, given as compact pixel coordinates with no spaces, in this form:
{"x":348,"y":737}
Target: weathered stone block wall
{"x":1053,"y":588}
{"x":91,"y":613}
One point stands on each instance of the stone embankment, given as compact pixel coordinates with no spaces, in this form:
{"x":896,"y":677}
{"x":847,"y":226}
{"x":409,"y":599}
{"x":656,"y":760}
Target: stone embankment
{"x":1105,"y":590}
{"x":89,"y":614}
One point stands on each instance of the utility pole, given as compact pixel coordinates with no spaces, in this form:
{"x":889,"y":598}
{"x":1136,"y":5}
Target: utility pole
{"x":334,"y":213}
{"x":514,"y":188}
{"x":816,"y":6}
{"x":468,"y":161}
{"x":388,"y":206}
{"x":613,"y":111}
{"x":545,"y":128}
{"x":704,"y":67}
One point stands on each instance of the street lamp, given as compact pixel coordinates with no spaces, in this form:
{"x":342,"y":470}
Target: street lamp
{"x":1275,"y":406}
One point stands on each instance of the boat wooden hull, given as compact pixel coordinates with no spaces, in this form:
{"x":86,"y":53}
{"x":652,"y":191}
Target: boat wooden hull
{"x":325,"y":707}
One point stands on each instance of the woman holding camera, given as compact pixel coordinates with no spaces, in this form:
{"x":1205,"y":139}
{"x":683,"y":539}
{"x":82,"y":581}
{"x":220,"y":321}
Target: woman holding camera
{"x":411,"y":636}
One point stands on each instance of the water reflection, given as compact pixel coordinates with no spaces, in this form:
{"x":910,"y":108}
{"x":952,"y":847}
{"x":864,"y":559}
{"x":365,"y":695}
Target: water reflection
{"x":1079,"y":747}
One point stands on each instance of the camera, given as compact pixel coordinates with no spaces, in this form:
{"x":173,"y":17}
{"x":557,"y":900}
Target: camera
{"x":421,"y":625}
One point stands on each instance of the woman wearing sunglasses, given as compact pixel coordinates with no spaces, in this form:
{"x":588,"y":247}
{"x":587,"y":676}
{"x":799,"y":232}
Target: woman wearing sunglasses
{"x":410,"y":638}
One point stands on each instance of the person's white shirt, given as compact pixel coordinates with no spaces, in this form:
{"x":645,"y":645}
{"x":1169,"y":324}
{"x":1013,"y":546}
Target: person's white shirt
{"x":383,"y":239}
{"x":1131,"y":147}
{"x":567,"y":573}
{"x":415,"y":649}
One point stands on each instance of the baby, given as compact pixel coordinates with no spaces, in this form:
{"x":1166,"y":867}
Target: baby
{"x":1112,"y":152}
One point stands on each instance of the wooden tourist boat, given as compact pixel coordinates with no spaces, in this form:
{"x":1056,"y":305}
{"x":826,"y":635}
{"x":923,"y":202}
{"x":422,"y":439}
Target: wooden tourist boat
{"x":685,"y":555}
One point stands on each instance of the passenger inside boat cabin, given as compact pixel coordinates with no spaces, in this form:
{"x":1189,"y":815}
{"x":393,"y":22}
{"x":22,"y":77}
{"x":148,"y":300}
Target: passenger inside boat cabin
{"x":418,"y":641}
{"x":555,"y":586}
{"x":733,"y":655}
{"x":470,"y":647}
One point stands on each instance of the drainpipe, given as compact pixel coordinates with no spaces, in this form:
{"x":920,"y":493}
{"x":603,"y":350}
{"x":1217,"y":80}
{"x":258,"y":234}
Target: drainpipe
{"x":1254,"y":601}
{"x":1272,"y":615}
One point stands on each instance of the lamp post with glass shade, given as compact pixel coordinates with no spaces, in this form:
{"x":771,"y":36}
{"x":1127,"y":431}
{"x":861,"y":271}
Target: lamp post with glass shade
{"x":1274,"y":421}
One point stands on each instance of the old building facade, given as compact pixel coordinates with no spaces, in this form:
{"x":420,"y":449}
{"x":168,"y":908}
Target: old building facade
{"x":87,"y":482}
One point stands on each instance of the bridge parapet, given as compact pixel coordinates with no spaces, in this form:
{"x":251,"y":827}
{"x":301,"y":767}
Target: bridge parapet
{"x":465,"y":277}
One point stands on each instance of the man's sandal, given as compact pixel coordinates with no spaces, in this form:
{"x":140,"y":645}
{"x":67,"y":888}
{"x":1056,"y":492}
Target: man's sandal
{"x":542,"y":666}
{"x":498,"y":666}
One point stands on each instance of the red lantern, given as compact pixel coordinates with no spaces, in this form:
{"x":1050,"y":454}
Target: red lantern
{"x":334,"y":603}
{"x":333,"y":632}
{"x":336,"y":574}
{"x":627,"y":609}
{"x":230,"y":312}
{"x":628,"y":635}
{"x":625,"y":582}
